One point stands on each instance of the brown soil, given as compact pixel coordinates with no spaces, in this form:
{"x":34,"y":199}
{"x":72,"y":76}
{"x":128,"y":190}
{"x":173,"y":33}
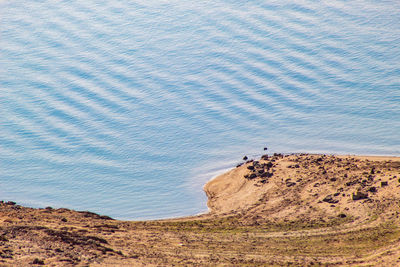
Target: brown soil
{"x":280,"y":210}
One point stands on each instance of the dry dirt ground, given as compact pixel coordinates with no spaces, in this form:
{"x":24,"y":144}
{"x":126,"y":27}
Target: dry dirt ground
{"x":297,"y":210}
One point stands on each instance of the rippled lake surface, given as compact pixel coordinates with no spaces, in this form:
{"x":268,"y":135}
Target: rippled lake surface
{"x":127,"y":108}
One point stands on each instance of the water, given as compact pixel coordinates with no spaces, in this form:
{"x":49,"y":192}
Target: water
{"x":127,"y":108}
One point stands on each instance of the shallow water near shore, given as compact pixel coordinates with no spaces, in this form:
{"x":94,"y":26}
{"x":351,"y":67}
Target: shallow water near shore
{"x":128,"y":108}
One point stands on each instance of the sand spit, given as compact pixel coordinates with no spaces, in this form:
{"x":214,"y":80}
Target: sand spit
{"x":278,"y":210}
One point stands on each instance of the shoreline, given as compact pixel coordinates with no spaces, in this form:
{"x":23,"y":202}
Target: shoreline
{"x":224,"y":171}
{"x":257,"y":211}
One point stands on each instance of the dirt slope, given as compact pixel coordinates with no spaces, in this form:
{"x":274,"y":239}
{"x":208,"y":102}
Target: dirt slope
{"x":308,"y":186}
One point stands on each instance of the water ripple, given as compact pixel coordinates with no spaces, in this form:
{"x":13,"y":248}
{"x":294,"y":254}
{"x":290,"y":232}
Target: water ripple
{"x":127,"y":108}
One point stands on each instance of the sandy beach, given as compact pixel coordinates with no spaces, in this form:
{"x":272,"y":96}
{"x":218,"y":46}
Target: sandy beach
{"x":299,"y":210}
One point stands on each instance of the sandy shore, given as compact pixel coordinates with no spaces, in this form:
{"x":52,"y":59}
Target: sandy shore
{"x":278,"y":210}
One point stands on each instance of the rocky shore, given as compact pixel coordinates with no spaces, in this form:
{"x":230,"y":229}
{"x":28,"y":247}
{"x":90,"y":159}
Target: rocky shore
{"x":298,"y":210}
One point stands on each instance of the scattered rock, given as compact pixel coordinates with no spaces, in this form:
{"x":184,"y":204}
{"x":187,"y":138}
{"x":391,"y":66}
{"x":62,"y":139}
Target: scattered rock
{"x":372,"y":189}
{"x":269,"y":165}
{"x":359,"y":195}
{"x":351,"y":183}
{"x":252,"y":176}
{"x":329,"y":199}
{"x":289,"y":184}
{"x":267,"y":174}
{"x":38,"y":262}
{"x":384,"y":183}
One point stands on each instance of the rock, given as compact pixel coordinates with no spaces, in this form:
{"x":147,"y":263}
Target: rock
{"x":384,"y":183}
{"x":359,"y":195}
{"x":11,"y":203}
{"x":252,"y":176}
{"x":351,"y":183}
{"x":250,"y":167}
{"x":290,"y":184}
{"x":329,"y":199}
{"x":266,"y":174}
{"x":38,"y":262}
{"x":372,"y":189}
{"x":265,"y":148}
{"x":342,"y":215}
{"x":240,"y":164}
{"x":245,"y":158}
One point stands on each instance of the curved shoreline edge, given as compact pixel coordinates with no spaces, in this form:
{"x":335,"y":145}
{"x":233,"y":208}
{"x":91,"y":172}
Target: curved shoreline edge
{"x":298,"y":209}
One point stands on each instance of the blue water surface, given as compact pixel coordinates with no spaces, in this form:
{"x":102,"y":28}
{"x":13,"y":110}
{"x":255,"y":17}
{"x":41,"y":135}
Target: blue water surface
{"x":127,"y":108}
